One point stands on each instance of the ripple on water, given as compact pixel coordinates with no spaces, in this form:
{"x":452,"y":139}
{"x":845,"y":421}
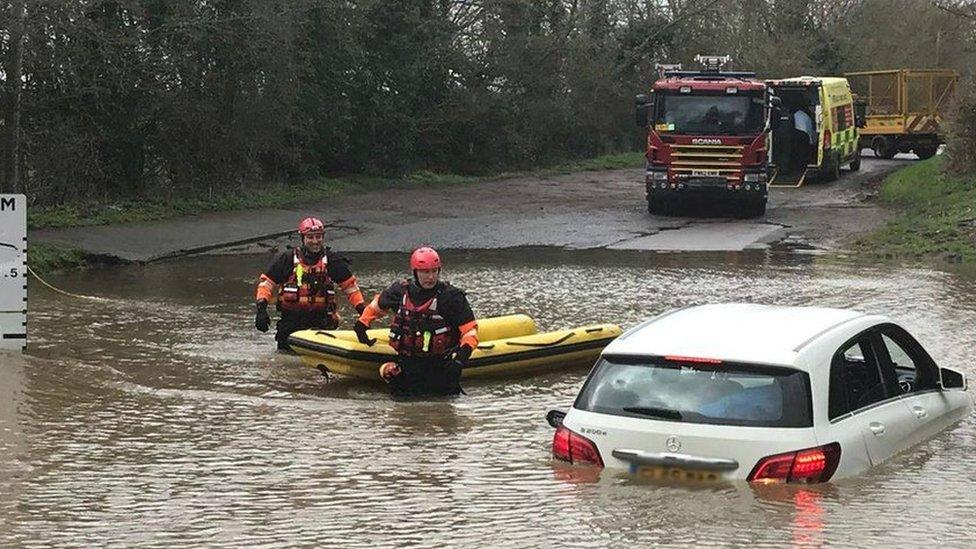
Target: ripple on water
{"x":162,"y":418}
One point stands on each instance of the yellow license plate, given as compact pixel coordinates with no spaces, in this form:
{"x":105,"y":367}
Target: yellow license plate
{"x":676,"y":473}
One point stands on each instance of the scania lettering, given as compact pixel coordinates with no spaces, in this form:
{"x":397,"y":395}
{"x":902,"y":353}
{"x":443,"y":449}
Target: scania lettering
{"x":706,"y":139}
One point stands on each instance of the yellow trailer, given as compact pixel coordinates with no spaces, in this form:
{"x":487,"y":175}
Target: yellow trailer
{"x":903,"y":109}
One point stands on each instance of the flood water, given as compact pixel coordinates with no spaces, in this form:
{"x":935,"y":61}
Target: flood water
{"x":160,"y":417}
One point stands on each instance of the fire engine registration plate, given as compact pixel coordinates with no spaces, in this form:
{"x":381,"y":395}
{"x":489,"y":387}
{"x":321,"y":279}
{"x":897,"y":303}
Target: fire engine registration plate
{"x":704,"y":173}
{"x":13,"y":272}
{"x":656,"y":472}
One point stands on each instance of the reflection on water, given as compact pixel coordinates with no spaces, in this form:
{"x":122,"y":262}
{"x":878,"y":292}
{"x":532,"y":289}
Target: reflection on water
{"x":808,"y":520}
{"x":160,"y":417}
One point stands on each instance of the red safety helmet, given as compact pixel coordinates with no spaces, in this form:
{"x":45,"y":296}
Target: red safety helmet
{"x":311,"y":225}
{"x":424,"y":258}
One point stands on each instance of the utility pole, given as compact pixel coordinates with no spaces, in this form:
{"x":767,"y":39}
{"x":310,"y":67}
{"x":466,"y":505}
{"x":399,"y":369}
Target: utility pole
{"x":14,"y":70}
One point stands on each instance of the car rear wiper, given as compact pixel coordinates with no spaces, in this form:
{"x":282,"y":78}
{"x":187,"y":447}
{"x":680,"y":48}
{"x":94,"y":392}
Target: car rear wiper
{"x":655,"y":412}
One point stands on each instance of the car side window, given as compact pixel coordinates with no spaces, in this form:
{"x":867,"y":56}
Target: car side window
{"x":902,"y":363}
{"x":913,"y":368}
{"x":855,"y":377}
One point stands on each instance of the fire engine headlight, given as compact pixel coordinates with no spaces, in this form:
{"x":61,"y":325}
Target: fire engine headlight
{"x":755,"y":177}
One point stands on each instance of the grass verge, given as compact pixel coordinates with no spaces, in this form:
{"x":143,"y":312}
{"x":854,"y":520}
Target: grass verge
{"x":44,"y":258}
{"x":937,"y":215}
{"x":83,"y":214}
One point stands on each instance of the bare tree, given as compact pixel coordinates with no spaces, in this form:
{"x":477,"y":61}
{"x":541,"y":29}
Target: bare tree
{"x":959,"y":8}
{"x":13,"y":70}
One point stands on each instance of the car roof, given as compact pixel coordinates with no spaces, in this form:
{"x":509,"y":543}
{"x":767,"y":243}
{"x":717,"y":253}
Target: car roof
{"x":744,"y":332}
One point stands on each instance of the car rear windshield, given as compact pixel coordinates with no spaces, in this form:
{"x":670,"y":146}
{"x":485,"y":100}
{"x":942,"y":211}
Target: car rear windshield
{"x":696,"y":392}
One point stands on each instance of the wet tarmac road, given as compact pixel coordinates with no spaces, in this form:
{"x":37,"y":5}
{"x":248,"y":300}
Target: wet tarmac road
{"x":584,"y":210}
{"x":159,"y":417}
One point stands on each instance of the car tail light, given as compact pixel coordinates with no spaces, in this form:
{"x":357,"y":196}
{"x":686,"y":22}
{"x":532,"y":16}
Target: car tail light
{"x":568,"y":446}
{"x":803,"y":466}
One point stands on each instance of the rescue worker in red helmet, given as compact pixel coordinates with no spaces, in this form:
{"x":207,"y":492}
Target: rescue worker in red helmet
{"x":303,"y":282}
{"x":433,"y":329}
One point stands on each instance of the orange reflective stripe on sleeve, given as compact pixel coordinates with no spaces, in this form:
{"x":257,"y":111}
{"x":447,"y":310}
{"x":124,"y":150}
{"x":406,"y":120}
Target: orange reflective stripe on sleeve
{"x":371,"y":312}
{"x":349,"y":285}
{"x":355,"y":298}
{"x":351,"y":289}
{"x":469,"y":334}
{"x":266,"y":289}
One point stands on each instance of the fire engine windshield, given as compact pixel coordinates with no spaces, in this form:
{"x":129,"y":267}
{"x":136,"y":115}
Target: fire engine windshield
{"x":709,"y":114}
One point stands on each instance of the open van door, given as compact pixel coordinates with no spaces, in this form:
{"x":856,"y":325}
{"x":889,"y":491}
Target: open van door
{"x":791,"y":180}
{"x":793,"y":147}
{"x":780,"y":148}
{"x":860,"y":113}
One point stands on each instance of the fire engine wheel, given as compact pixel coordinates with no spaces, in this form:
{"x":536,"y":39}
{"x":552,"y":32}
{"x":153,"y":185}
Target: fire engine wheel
{"x":660,"y":206}
{"x":855,"y":164}
{"x":925,"y":152}
{"x":751,"y":209}
{"x":883,"y":148}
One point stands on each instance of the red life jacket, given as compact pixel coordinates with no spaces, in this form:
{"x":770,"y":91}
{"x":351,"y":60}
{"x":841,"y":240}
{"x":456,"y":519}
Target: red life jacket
{"x":419,"y":330}
{"x":309,"y":287}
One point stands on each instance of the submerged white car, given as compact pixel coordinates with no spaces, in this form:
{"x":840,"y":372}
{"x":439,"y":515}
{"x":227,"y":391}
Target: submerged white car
{"x":758,"y":393}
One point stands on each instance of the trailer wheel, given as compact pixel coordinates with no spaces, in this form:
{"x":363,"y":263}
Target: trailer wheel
{"x":883,"y":148}
{"x":925,"y":152}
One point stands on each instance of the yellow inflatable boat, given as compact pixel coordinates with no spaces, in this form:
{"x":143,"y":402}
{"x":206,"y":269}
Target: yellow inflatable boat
{"x":509,"y":345}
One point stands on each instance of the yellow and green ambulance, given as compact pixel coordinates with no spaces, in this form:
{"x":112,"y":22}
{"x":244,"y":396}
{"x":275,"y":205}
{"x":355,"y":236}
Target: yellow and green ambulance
{"x":815,"y":133}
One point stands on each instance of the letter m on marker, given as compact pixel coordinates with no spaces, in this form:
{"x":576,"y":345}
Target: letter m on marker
{"x":7,"y":203}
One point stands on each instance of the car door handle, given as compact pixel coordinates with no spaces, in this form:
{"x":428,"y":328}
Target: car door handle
{"x":920,"y":412}
{"x":877,"y":428}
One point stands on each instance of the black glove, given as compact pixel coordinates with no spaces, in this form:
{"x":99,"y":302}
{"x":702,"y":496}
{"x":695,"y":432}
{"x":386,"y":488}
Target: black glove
{"x":261,"y":319}
{"x":464,"y":353}
{"x":360,"y":308}
{"x":460,"y":355}
{"x":360,"y":330}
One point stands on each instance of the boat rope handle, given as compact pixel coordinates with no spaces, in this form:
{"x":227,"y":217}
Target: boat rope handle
{"x":550,"y":344}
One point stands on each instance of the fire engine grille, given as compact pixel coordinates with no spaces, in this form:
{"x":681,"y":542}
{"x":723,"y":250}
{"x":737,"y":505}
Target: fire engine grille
{"x":707,"y":161}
